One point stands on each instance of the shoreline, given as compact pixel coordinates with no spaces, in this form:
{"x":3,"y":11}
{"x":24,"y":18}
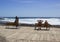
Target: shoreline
{"x":32,"y":25}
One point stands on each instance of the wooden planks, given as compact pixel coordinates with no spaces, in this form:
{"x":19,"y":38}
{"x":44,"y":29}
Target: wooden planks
{"x":28,"y":34}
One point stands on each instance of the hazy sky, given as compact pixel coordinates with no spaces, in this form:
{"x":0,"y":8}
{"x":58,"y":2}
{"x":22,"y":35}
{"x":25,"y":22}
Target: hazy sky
{"x":30,"y":8}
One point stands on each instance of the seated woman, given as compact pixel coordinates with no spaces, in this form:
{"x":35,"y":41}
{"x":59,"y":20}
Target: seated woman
{"x":39,"y":24}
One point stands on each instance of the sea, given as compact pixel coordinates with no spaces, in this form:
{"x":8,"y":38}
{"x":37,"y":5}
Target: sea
{"x":32,"y":20}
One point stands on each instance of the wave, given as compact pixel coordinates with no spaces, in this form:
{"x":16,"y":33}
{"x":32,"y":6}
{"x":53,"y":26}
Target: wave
{"x":52,"y":21}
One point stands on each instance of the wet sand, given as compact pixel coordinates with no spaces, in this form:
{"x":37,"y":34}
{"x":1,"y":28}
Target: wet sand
{"x":28,"y":34}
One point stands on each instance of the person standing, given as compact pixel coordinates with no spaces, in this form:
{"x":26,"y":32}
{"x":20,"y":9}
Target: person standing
{"x":16,"y":21}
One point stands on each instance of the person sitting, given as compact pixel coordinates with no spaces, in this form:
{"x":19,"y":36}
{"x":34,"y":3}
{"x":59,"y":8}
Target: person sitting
{"x":46,"y":24}
{"x":39,"y":24}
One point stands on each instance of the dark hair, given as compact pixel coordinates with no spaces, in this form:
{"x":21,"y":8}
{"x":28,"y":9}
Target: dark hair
{"x":16,"y":17}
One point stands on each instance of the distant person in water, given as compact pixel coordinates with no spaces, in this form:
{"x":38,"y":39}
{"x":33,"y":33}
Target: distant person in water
{"x":16,"y":21}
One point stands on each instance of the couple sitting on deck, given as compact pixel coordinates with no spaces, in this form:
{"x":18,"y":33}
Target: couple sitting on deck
{"x":39,"y":24}
{"x":15,"y":23}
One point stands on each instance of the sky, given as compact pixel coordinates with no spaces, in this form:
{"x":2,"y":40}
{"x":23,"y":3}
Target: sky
{"x":30,"y":8}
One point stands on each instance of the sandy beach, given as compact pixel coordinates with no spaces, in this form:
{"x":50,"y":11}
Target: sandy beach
{"x":29,"y":20}
{"x":28,"y":34}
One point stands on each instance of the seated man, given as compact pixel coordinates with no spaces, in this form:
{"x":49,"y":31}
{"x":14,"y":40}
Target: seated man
{"x":46,"y":24}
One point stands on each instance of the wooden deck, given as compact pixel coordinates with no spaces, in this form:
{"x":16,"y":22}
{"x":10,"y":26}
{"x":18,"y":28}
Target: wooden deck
{"x":28,"y":34}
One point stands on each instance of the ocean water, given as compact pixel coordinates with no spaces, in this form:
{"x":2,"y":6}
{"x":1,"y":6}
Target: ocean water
{"x":33,"y":20}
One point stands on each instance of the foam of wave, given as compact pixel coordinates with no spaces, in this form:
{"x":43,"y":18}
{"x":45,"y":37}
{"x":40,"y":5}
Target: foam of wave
{"x":52,"y":21}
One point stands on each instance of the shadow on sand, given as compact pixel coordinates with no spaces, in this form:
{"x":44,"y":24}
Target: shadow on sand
{"x":12,"y":27}
{"x":42,"y":29}
{"x":3,"y":39}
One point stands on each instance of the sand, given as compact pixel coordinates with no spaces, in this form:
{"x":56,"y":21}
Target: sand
{"x":28,"y":34}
